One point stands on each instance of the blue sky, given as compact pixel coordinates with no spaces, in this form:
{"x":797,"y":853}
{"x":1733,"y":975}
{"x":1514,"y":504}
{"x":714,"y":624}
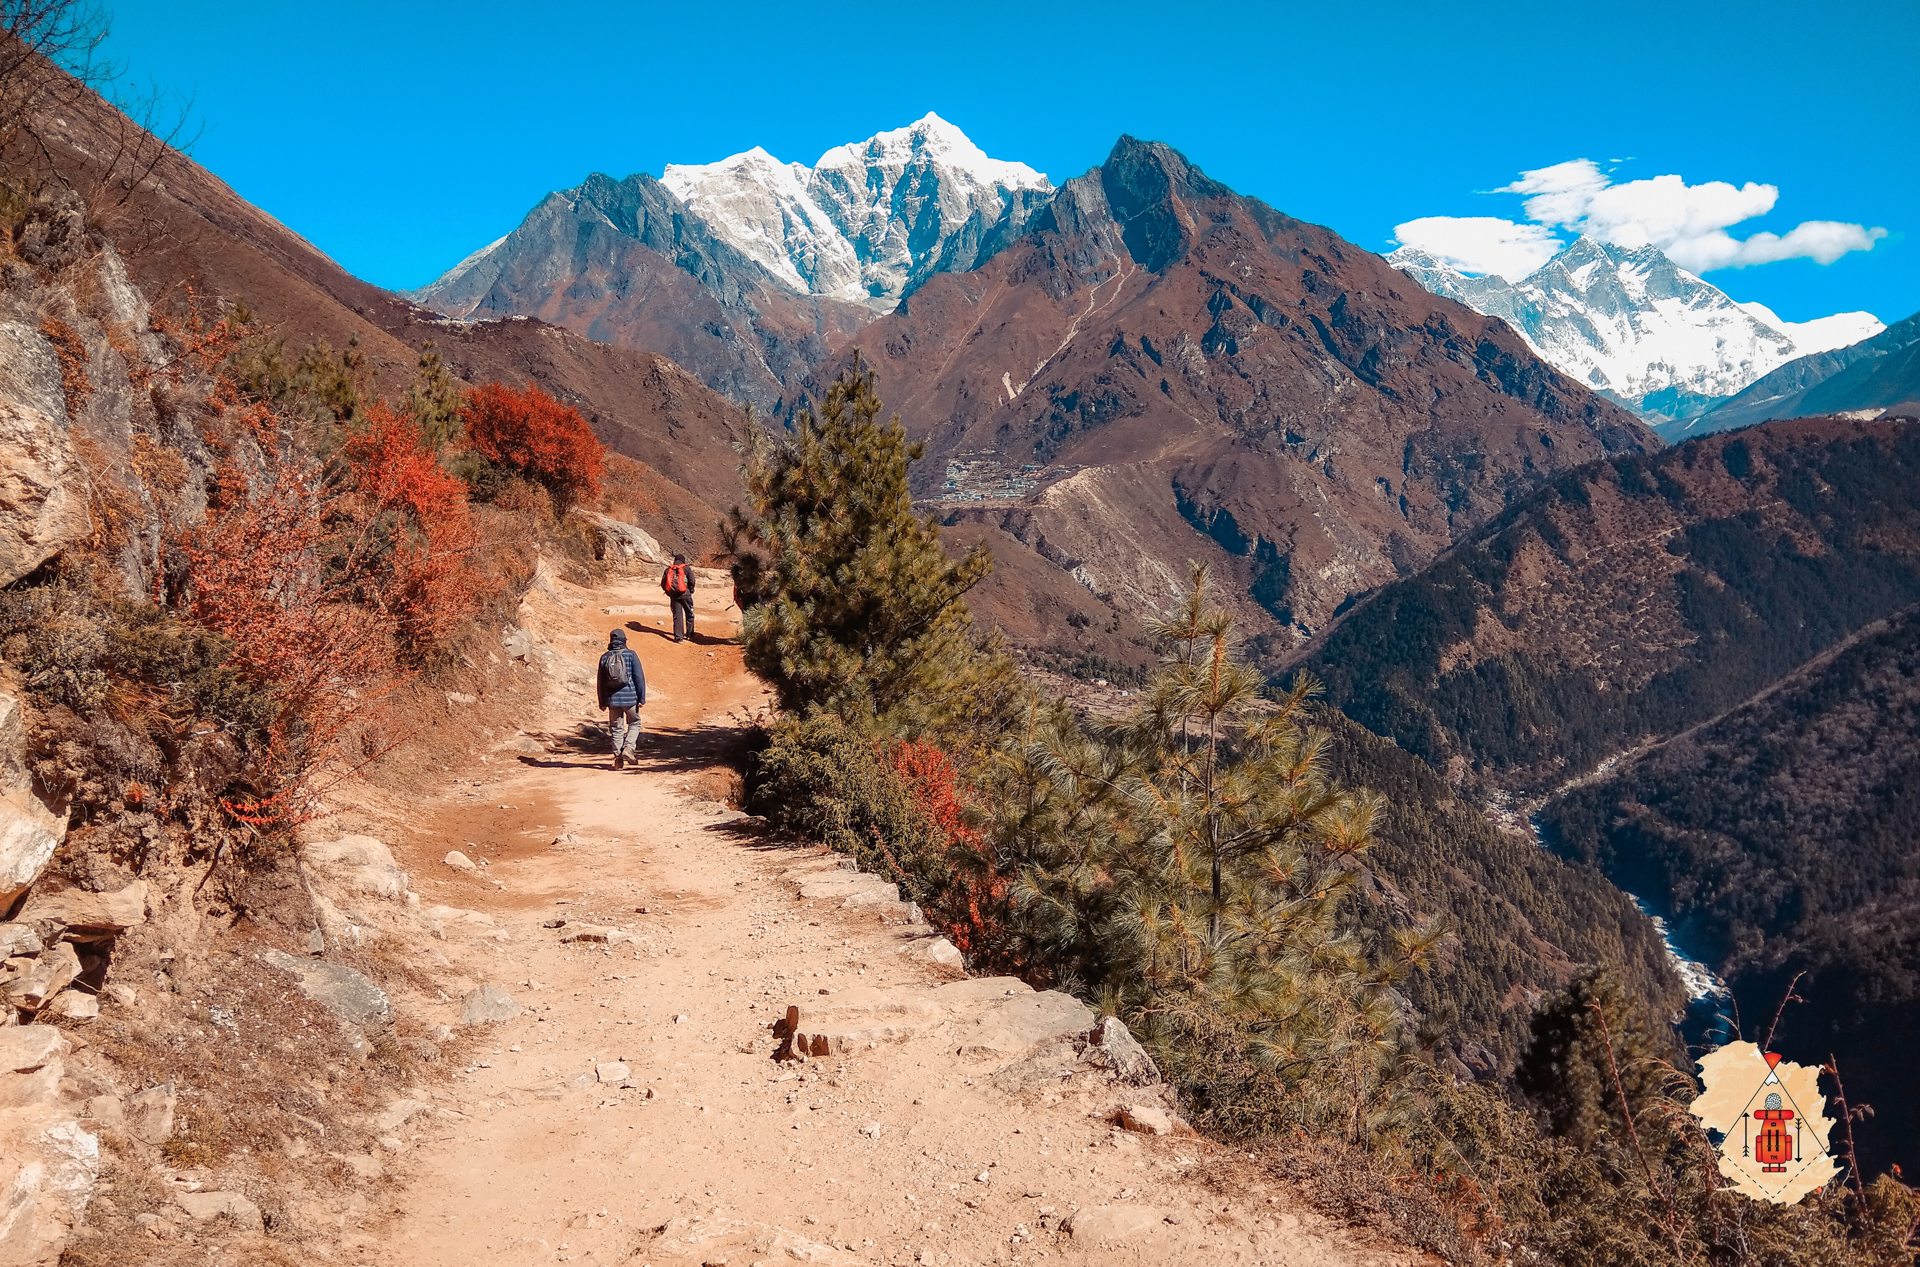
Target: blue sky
{"x":398,"y":137}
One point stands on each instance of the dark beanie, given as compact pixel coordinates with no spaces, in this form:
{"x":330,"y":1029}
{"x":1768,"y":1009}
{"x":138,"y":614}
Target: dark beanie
{"x":618,"y":638}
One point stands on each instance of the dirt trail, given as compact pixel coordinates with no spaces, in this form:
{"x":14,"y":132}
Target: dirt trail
{"x":943,"y":1136}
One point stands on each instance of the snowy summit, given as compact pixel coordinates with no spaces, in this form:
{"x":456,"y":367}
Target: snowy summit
{"x":868,"y":219}
{"x":1632,"y":323}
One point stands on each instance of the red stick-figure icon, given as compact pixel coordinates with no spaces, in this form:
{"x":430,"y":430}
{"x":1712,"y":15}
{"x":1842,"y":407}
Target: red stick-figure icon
{"x":1775,"y":1148}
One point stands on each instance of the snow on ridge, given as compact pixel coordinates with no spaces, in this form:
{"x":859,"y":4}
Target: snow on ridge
{"x":1629,"y":321}
{"x":947,"y":144}
{"x":863,"y":221}
{"x":1822,"y":334}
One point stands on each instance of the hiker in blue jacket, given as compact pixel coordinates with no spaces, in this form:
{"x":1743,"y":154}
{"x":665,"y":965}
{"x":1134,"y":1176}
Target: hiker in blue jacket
{"x":623,"y":690}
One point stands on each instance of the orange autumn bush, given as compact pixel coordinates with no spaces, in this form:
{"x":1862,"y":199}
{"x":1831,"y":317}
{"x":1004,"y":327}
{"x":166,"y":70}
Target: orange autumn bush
{"x":403,"y":506}
{"x":971,"y":908}
{"x":528,"y":433}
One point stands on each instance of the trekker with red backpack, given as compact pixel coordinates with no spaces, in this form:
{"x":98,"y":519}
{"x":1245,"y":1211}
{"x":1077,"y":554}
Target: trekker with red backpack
{"x":677,"y":581}
{"x":623,"y":690}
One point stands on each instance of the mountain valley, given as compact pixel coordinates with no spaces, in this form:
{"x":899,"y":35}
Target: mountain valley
{"x":1466,"y":608}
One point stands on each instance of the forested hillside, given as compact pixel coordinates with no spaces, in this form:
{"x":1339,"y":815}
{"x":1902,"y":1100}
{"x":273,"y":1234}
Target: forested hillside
{"x":1520,"y":922}
{"x":1782,"y":837}
{"x":1634,"y":598}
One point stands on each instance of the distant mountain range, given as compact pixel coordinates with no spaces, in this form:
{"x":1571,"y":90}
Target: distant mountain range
{"x":1141,"y":355}
{"x":1875,"y":375}
{"x":1637,"y":326}
{"x":870,"y":220}
{"x":749,"y":271}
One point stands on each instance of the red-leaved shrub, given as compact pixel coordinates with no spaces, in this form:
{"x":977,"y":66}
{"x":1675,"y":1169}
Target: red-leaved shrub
{"x":529,"y":432}
{"x":972,"y":907}
{"x":405,"y":504}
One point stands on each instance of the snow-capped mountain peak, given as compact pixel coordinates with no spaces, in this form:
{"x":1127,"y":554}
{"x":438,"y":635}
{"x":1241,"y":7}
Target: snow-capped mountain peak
{"x":866,"y":221}
{"x":1630,"y":322}
{"x":762,"y":206}
{"x":941,"y":144}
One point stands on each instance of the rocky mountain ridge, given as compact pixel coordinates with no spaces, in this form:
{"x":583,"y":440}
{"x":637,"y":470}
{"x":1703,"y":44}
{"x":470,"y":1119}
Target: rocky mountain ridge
{"x":1160,"y":369}
{"x":1635,"y":325}
{"x":870,"y":219}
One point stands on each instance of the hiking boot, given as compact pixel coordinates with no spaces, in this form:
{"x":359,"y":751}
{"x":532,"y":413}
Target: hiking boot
{"x":619,"y":761}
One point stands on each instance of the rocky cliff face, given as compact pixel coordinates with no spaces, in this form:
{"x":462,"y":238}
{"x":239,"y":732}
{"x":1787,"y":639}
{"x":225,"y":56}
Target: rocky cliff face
{"x":1160,"y":362}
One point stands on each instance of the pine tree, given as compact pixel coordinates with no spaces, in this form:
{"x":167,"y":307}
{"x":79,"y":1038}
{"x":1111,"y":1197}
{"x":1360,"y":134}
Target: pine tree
{"x":1194,"y":865}
{"x":859,"y":607}
{"x":433,"y":400}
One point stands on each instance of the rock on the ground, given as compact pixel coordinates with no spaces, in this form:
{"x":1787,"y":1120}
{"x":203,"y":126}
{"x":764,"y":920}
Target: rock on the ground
{"x":459,"y":861}
{"x":1098,"y":1225}
{"x":29,"y":831}
{"x":1016,"y":1020}
{"x":49,"y":1162}
{"x":487,"y":1005}
{"x":616,"y":541}
{"x":227,"y":1205}
{"x":149,"y":1115}
{"x":1150,"y":1119}
{"x":43,"y":507}
{"x":84,"y":916}
{"x":349,"y":995}
{"x":943,"y":953}
{"x":612,"y":1071}
{"x":20,"y":939}
{"x":45,"y":977}
{"x":360,"y":864}
{"x":1112,"y":1046}
{"x":75,"y":1005}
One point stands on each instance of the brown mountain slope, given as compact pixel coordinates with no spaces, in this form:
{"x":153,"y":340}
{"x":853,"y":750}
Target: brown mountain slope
{"x":1634,"y":599}
{"x":623,"y":262}
{"x":1159,"y":369}
{"x":186,"y":230}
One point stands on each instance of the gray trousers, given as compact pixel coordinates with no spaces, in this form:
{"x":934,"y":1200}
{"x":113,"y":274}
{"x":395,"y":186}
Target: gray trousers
{"x":624,"y":722}
{"x":682,"y":615}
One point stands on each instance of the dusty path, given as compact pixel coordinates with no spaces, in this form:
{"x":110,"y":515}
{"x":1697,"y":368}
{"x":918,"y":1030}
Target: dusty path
{"x":943,"y":1136}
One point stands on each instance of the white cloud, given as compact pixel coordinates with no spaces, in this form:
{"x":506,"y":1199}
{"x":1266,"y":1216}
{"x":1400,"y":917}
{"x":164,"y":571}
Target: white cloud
{"x":1690,"y":223}
{"x":1481,"y":244}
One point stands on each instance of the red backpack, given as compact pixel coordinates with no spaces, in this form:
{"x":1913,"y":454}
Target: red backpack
{"x":675,"y":581}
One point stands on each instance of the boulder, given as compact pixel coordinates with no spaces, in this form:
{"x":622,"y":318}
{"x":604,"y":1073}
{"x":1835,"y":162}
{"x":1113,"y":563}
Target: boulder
{"x":48,"y":975}
{"x":149,"y":1115}
{"x":359,"y":864}
{"x":82,"y":915}
{"x":615,"y":541}
{"x":459,"y":861}
{"x":1098,"y":1225}
{"x":349,"y":995}
{"x":43,"y":506}
{"x":487,"y":1005}
{"x":29,"y":831}
{"x":1112,"y":1046}
{"x":222,"y":1205}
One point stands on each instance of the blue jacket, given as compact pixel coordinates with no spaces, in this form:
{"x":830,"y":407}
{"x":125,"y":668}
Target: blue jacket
{"x":634,"y":692}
